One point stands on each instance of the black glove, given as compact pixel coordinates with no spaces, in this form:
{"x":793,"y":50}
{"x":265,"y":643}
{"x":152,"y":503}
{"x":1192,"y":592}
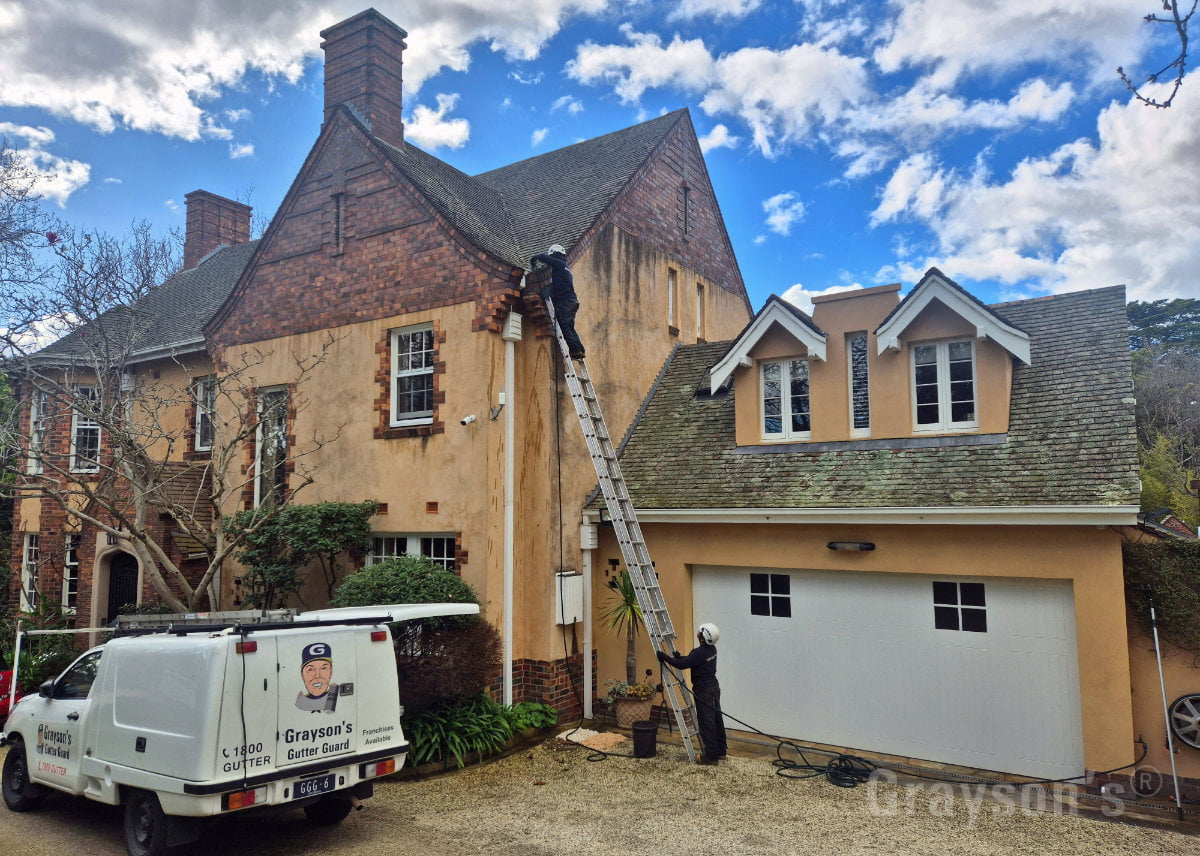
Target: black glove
{"x":661,"y":655}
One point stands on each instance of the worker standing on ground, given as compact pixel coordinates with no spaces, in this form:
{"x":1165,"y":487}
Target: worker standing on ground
{"x":562,"y":292}
{"x":703,"y":662}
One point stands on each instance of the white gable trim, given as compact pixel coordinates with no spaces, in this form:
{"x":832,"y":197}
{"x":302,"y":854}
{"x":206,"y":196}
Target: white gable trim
{"x":773,"y":313}
{"x":933,"y":287}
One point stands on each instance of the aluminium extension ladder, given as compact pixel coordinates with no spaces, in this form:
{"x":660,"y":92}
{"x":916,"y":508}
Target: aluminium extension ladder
{"x":629,"y":534}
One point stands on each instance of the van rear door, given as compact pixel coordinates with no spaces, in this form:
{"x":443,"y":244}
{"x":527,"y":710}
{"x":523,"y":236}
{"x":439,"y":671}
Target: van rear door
{"x":318,"y":702}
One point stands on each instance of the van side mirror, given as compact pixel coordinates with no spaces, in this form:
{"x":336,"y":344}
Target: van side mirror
{"x":46,"y":690}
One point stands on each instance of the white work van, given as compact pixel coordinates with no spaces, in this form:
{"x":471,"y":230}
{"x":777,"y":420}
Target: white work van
{"x":218,"y":713}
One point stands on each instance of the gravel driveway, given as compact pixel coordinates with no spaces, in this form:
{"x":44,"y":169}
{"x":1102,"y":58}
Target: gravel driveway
{"x":549,"y":801}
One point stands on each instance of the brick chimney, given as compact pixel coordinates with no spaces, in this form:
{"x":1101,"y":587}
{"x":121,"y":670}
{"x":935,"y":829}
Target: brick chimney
{"x":212,"y":221}
{"x":364,"y":56}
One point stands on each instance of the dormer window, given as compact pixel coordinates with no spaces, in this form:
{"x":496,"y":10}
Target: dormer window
{"x":944,"y":386}
{"x":785,"y":406}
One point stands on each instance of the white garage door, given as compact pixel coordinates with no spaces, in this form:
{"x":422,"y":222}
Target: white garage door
{"x":978,"y":671}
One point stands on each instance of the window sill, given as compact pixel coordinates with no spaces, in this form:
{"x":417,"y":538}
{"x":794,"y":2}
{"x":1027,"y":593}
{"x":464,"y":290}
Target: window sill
{"x":404,"y":431}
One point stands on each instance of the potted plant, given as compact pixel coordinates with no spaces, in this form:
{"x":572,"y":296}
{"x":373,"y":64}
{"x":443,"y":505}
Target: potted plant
{"x":630,"y":698}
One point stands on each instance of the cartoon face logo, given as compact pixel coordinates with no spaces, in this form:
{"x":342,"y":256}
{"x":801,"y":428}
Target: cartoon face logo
{"x":316,"y":671}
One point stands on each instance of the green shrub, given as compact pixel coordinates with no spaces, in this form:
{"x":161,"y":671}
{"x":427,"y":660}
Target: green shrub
{"x":406,"y":579}
{"x":1168,"y":572}
{"x":455,"y":730}
{"x":531,"y":714}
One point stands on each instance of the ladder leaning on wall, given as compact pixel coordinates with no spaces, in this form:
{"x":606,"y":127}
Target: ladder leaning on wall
{"x":629,"y":534}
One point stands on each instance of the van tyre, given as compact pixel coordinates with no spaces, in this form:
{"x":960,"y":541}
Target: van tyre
{"x":20,"y":793}
{"x":327,"y":811}
{"x":145,"y":825}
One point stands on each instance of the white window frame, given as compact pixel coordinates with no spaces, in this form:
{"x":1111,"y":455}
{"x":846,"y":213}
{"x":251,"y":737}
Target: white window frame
{"x":700,"y":313}
{"x":851,"y":389}
{"x":39,"y":404}
{"x":81,"y":422}
{"x":945,"y":421}
{"x":786,"y":433}
{"x":30,"y":556}
{"x":672,"y":298}
{"x":205,"y":391}
{"x":72,"y":541}
{"x":418,"y":417}
{"x":260,"y":438}
{"x":389,"y":545}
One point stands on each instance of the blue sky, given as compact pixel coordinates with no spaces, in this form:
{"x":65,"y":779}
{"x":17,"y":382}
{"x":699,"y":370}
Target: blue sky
{"x":850,"y":144}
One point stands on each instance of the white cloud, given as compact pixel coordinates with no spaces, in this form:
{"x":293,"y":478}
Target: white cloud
{"x":688,"y":9}
{"x":432,"y":129}
{"x":644,"y":64}
{"x":172,"y":206}
{"x":718,"y":138}
{"x":783,"y":210}
{"x":536,"y":138}
{"x":1124,"y":209}
{"x":569,"y":103}
{"x":240,"y":150}
{"x":239,"y":115}
{"x":160,"y":67}
{"x":802,"y":298}
{"x":526,"y":79}
{"x":54,"y":177}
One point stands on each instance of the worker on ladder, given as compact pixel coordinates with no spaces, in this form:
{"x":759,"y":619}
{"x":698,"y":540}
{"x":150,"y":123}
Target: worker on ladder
{"x":562,"y":292}
{"x":705,"y":690}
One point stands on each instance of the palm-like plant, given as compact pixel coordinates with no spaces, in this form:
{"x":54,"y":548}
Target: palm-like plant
{"x":623,"y":614}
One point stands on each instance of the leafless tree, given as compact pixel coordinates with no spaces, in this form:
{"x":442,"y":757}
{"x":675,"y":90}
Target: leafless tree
{"x":1177,"y":67}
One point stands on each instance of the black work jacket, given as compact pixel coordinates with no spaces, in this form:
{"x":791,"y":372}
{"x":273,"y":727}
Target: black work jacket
{"x":562,"y":283}
{"x":702,"y":661}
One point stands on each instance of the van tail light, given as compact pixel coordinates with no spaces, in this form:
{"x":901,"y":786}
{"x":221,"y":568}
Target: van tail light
{"x":247,"y":646}
{"x":379,"y":635}
{"x":243,"y":799}
{"x":376,"y":768}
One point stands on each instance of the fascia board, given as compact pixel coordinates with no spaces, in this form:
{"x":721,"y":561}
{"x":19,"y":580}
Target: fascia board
{"x":1017,"y":515}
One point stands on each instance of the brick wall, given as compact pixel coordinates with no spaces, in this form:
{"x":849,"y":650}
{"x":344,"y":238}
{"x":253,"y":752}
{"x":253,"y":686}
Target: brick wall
{"x":212,"y":221}
{"x":364,"y":58}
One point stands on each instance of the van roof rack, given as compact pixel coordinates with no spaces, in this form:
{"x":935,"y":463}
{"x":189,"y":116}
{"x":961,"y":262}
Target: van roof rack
{"x":259,"y":619}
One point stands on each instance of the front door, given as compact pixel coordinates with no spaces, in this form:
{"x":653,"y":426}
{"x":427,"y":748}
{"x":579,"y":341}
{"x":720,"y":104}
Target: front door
{"x":122,"y":583}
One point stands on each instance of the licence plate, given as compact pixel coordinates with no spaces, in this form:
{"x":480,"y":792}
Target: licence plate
{"x":312,"y":787}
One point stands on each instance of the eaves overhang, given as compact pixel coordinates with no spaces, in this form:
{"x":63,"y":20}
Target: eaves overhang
{"x":777,"y":311}
{"x":998,"y":515}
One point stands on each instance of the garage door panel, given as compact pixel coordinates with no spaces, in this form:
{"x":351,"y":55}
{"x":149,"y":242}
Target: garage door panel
{"x":860,"y":663}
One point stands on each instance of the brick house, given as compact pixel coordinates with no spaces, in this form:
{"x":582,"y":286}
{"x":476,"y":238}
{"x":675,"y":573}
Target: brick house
{"x":904,"y":516}
{"x":407,"y":277}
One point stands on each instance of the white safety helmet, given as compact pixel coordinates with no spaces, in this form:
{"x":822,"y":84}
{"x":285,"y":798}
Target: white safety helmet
{"x":556,"y":250}
{"x":708,"y":633}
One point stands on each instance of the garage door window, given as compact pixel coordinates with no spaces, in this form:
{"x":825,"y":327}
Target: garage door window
{"x":770,"y":594}
{"x":959,"y":606}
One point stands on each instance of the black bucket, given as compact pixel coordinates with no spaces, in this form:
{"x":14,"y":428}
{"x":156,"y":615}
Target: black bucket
{"x":645,"y":738}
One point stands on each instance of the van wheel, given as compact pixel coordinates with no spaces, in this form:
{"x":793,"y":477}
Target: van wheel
{"x":327,"y":811}
{"x":20,"y":793}
{"x":145,"y":825}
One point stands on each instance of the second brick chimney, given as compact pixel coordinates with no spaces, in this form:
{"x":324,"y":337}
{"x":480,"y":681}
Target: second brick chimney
{"x":364,"y":56}
{"x":212,"y":221}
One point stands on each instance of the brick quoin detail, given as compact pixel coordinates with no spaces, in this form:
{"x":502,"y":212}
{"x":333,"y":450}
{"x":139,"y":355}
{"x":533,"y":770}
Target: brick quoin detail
{"x":383,"y":403}
{"x":251,"y":444}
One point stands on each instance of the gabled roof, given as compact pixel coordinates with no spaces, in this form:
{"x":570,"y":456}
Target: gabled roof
{"x":169,"y":318}
{"x":1071,"y":443}
{"x":776,"y":311}
{"x":935,"y":285}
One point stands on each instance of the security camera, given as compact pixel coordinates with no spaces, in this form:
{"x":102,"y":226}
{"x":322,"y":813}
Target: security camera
{"x":467,"y":420}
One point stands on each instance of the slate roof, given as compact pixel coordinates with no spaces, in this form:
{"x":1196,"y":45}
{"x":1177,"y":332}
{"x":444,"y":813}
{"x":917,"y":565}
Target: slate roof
{"x":171,"y":315}
{"x":1071,"y":438}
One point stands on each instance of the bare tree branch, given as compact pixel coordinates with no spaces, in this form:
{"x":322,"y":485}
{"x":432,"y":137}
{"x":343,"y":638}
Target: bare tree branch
{"x":1177,"y":66}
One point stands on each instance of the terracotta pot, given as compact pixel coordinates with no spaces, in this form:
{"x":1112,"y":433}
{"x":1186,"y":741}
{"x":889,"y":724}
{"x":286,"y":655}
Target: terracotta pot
{"x":630,"y":710}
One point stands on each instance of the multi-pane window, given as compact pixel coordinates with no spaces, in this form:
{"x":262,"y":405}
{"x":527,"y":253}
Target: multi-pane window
{"x":30,"y":557}
{"x":944,"y":385}
{"x":39,"y":416}
{"x":959,"y":606}
{"x":699,"y":312}
{"x":412,"y":375}
{"x":785,"y":413}
{"x":70,"y":583}
{"x":771,"y":595}
{"x":270,"y":469}
{"x":672,"y":297}
{"x":206,"y":405}
{"x":85,"y":431}
{"x":860,"y":398}
{"x":440,"y":548}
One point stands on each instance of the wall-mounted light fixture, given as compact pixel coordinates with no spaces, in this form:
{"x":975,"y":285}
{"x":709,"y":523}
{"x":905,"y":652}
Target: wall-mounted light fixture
{"x":851,"y":546}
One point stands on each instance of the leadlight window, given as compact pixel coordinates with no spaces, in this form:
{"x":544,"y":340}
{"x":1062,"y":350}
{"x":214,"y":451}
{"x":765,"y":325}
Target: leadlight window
{"x":440,"y":548}
{"x":85,"y":431}
{"x":70,"y":586}
{"x":860,"y":398}
{"x":944,"y":386}
{"x":39,"y":417}
{"x":771,"y":595}
{"x":270,"y":469}
{"x":412,"y":375}
{"x":785,"y":406}
{"x":30,"y":557}
{"x":206,"y":406}
{"x":959,"y":606}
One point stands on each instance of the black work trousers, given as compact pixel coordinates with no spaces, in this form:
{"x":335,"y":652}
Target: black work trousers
{"x":564,"y":313}
{"x":710,"y":721}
